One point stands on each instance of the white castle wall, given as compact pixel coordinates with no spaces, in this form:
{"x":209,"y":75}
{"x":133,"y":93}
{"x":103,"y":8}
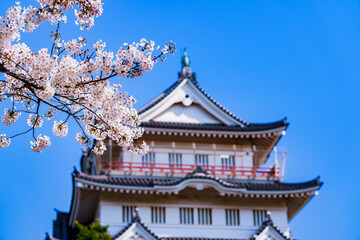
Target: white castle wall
{"x":111,"y":214}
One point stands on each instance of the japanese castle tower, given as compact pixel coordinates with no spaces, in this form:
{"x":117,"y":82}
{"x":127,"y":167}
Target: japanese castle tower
{"x":209,"y":175}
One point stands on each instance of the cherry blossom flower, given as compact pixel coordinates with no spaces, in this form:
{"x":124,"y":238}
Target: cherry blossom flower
{"x":10,"y":116}
{"x":4,"y":142}
{"x":60,"y":129}
{"x":82,"y":139}
{"x":40,"y":144}
{"x":70,"y":78}
{"x":140,"y":149}
{"x":35,"y":121}
{"x":99,"y":148}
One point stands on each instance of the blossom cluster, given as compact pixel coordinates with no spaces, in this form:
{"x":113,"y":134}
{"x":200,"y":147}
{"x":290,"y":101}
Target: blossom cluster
{"x":10,"y":116}
{"x":99,"y":147}
{"x":4,"y":142}
{"x":71,"y":79}
{"x":60,"y":129}
{"x":40,"y":144}
{"x":35,"y":121}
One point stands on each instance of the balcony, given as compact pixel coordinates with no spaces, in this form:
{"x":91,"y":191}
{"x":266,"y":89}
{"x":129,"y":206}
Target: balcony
{"x":179,"y":163}
{"x":164,"y":169}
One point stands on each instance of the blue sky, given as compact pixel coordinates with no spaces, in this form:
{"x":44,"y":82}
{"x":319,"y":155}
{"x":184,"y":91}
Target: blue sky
{"x":263,"y":60}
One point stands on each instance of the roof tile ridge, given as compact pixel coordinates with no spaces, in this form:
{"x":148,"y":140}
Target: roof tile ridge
{"x":135,"y":219}
{"x":314,"y":182}
{"x":268,"y":222}
{"x":95,"y":177}
{"x":201,"y":174}
{"x":160,"y":97}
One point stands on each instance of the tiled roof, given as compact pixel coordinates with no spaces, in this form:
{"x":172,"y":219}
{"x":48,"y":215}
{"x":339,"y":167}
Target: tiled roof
{"x":159,"y":98}
{"x":232,"y":128}
{"x":215,"y":127}
{"x":135,"y":219}
{"x":268,"y":223}
{"x":251,"y":185}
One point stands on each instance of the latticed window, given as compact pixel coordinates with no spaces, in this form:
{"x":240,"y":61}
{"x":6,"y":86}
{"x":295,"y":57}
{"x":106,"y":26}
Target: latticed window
{"x":148,"y":159}
{"x":158,"y":215}
{"x":175,"y":159}
{"x":186,"y":215}
{"x":202,"y":160}
{"x":259,"y":217}
{"x":127,"y":213}
{"x":204,"y":216}
{"x":227,"y":162}
{"x":232,"y":217}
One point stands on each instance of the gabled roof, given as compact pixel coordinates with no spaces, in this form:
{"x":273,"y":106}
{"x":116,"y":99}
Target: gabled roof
{"x":159,"y":98}
{"x":186,"y":110}
{"x":266,"y":228}
{"x":136,"y":223}
{"x":233,"y":123}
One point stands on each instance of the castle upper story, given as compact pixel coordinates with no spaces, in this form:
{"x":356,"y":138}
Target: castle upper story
{"x":186,"y":128}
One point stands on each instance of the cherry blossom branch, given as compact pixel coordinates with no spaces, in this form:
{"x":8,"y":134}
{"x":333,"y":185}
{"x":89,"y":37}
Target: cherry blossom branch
{"x":74,"y":81}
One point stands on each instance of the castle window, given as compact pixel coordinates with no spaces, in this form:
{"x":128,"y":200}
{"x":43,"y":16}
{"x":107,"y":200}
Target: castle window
{"x":202,"y":160}
{"x":232,"y":217}
{"x":127,"y":213}
{"x":186,"y":215}
{"x":205,"y":216}
{"x":158,"y":215}
{"x":148,"y":159}
{"x":259,"y":217}
{"x":227,"y":162}
{"x":175,"y":159}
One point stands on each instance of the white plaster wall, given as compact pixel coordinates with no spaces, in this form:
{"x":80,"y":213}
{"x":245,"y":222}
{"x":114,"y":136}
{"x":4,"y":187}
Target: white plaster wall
{"x":111,"y":214}
{"x":279,"y":218}
{"x":246,"y":218}
{"x":162,"y":155}
{"x":145,"y":213}
{"x":218,"y":217}
{"x":190,"y":114}
{"x":187,"y":156}
{"x":202,"y":231}
{"x":247,"y":160}
{"x":172,"y":215}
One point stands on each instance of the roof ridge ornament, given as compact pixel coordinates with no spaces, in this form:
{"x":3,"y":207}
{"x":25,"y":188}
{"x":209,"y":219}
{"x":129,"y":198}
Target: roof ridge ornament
{"x":199,"y":170}
{"x":185,"y":62}
{"x":185,"y":68}
{"x":136,"y":217}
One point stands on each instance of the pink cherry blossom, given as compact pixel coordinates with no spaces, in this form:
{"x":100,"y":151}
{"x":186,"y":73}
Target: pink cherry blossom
{"x":71,"y":78}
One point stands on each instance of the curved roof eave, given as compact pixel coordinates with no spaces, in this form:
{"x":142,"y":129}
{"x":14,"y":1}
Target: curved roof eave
{"x":161,"y":185}
{"x":251,"y":129}
{"x":74,"y":200}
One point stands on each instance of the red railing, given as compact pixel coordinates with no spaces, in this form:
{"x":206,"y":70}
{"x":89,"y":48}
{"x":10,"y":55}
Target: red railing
{"x":173,"y":169}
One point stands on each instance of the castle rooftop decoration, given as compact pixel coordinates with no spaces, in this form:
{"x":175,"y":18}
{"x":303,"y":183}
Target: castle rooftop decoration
{"x":208,"y":175}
